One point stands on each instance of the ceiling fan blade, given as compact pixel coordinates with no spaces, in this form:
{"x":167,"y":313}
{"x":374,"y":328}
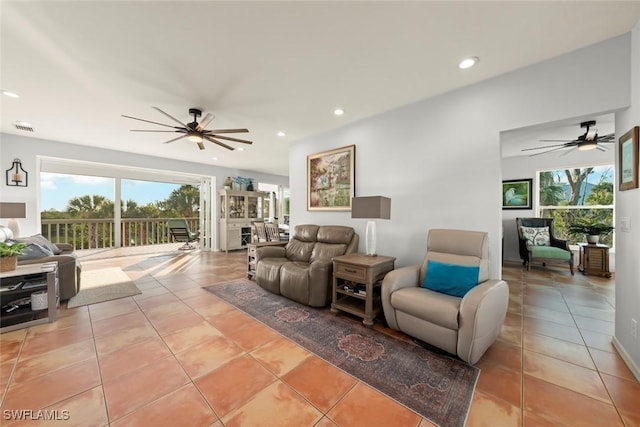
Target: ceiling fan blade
{"x":175,"y":139}
{"x":148,"y":130}
{"x":568,"y":151}
{"x":607,"y":138}
{"x":227,"y":131}
{"x":601,"y":147}
{"x":548,"y":151}
{"x":226,"y":138}
{"x":557,"y":140}
{"x":222,"y":144}
{"x":172,"y":118}
{"x":545,"y":146}
{"x":201,"y":145}
{"x":204,"y":122}
{"x":149,"y":121}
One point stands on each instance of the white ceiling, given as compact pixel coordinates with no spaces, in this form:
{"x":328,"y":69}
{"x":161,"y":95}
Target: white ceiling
{"x":266,"y":66}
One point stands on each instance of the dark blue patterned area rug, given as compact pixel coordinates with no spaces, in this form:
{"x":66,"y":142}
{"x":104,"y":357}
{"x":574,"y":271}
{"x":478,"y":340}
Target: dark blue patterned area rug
{"x":436,"y":386}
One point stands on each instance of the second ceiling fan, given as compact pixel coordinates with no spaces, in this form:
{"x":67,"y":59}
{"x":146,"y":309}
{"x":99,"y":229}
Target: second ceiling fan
{"x":195,"y":131}
{"x":587,"y":141}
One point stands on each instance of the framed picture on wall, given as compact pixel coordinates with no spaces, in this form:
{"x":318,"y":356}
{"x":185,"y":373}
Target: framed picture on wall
{"x":516,"y":194}
{"x":331,"y":179}
{"x":628,"y":160}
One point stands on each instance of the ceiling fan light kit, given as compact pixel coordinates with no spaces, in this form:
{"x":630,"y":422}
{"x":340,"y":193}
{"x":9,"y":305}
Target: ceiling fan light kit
{"x":587,"y":141}
{"x":194,"y":131}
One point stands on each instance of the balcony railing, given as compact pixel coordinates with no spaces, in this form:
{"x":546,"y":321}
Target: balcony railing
{"x":100,"y":233}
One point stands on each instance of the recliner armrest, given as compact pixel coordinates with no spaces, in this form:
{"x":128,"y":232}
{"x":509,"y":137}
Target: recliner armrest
{"x":65,"y":247}
{"x":404,"y":277}
{"x":482,"y":313}
{"x":270,"y":252}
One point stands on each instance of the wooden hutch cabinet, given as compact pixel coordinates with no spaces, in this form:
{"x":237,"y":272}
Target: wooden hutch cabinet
{"x":237,"y":210}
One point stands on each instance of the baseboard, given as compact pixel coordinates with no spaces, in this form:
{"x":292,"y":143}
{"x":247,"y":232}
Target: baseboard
{"x":635,"y":369}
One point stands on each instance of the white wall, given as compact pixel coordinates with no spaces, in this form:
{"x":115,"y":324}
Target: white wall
{"x":628,"y":243}
{"x":26,"y":149}
{"x":439,"y":160}
{"x":524,"y":167}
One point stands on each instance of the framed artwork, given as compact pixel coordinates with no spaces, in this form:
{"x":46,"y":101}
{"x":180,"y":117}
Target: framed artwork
{"x":628,"y":160}
{"x":331,"y":179}
{"x":516,"y":194}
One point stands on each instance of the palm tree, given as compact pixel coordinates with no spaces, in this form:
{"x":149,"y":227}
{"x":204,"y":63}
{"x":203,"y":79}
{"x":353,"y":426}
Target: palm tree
{"x":551,"y":192}
{"x":183,"y":202}
{"x":87,"y":206}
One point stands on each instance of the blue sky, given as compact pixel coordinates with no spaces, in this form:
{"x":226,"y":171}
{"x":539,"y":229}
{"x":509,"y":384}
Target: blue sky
{"x":58,"y":189}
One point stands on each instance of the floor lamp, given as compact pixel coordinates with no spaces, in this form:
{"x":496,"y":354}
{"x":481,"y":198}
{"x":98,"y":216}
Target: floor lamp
{"x":12,"y":211}
{"x":371,"y":207}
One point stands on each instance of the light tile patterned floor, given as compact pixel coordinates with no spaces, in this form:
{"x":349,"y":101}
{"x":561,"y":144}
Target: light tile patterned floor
{"x":177,"y":353}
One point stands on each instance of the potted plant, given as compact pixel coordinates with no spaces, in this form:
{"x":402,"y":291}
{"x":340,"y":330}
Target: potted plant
{"x":592,"y":230}
{"x":9,"y":255}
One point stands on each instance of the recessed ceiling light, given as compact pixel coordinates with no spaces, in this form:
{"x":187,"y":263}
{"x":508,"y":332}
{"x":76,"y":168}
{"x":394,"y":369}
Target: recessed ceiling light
{"x":10,"y":94}
{"x":240,"y":148}
{"x":468,"y":62}
{"x":281,"y":133}
{"x":214,"y":158}
{"x":338,"y":111}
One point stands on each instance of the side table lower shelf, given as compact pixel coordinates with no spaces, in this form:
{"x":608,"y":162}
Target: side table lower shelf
{"x":359,"y":272}
{"x":16,"y":307}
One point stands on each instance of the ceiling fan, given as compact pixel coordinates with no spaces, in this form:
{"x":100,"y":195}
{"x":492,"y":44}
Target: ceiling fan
{"x":587,"y":141}
{"x":195,"y":131}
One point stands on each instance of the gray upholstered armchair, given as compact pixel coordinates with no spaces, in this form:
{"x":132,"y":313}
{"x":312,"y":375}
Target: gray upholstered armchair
{"x":465,"y":325}
{"x":302,"y":270}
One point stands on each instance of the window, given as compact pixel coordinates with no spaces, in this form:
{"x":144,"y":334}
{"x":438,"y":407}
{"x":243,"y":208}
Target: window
{"x":570,"y":195}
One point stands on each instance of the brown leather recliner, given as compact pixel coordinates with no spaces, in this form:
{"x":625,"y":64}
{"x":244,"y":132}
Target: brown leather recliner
{"x":302,"y":270}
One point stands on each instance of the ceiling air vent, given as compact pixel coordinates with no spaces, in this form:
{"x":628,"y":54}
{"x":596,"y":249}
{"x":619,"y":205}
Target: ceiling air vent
{"x":23,"y":126}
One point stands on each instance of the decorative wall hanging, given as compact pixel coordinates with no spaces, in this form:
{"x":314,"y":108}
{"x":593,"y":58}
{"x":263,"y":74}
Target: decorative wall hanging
{"x":331,"y":179}
{"x":16,"y":176}
{"x":516,"y":194}
{"x":628,"y":160}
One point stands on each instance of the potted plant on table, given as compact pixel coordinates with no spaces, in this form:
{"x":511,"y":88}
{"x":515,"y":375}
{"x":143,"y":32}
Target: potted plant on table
{"x":9,"y":252}
{"x":592,"y":230}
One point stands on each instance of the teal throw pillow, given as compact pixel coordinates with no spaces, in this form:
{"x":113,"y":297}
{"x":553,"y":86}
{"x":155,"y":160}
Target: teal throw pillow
{"x":450,"y":279}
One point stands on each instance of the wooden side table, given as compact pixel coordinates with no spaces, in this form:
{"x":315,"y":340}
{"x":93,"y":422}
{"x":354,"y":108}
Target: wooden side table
{"x":352,"y":270}
{"x":19,"y":285}
{"x":594,"y":259}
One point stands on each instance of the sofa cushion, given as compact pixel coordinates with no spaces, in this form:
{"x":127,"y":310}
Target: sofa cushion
{"x":327,"y":250}
{"x":335,"y":234}
{"x":297,"y":250}
{"x":306,"y":232}
{"x":536,"y":236}
{"x":34,"y":251}
{"x":434,"y":307}
{"x":39,"y":239}
{"x":549,"y":252}
{"x":450,"y":279}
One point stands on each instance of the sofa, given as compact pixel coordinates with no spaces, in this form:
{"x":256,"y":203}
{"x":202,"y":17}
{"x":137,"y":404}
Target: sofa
{"x":40,"y":250}
{"x":441,"y":303}
{"x":302,"y":270}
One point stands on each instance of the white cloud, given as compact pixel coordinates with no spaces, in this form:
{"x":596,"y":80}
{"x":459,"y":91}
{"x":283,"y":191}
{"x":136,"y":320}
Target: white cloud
{"x":48,"y":181}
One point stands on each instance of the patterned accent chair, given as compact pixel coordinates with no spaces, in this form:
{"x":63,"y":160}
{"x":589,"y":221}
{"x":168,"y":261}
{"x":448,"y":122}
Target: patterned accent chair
{"x":537,"y":243}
